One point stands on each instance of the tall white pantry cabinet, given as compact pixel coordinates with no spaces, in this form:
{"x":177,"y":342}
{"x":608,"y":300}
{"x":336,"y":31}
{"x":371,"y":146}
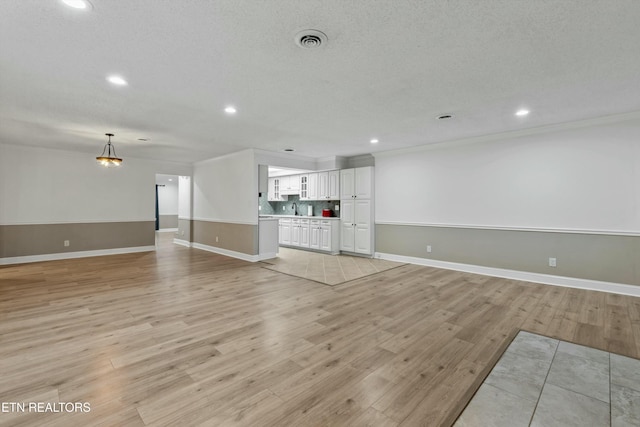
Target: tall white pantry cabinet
{"x":356,"y":210}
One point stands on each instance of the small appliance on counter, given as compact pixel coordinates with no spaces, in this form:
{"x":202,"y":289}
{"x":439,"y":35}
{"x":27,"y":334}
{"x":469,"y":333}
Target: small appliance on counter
{"x":310,"y":210}
{"x":327,"y":212}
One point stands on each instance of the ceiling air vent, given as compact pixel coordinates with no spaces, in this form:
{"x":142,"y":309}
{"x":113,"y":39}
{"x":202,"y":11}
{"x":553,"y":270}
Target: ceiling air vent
{"x":311,"y":39}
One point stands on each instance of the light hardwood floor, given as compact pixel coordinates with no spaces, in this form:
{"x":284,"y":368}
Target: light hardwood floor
{"x":186,"y":337}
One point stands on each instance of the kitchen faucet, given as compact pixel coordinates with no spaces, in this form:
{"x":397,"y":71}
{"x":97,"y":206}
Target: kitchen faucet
{"x":295,"y":207}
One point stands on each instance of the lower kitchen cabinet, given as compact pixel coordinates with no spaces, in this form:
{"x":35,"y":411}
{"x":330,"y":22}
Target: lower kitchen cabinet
{"x":304,"y":233}
{"x":285,"y":231}
{"x":314,"y":235}
{"x":295,"y":232}
{"x":317,"y":234}
{"x":326,"y":237}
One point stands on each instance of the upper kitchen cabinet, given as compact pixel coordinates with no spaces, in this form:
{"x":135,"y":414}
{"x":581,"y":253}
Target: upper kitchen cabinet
{"x":290,"y":185}
{"x":309,"y":186}
{"x":329,"y":185}
{"x":274,"y":193}
{"x":356,"y":183}
{"x":312,"y":191}
{"x":304,"y":187}
{"x":334,"y":185}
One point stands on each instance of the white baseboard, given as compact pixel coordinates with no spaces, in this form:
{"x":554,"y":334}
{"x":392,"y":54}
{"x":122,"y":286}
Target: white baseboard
{"x":268,"y":255}
{"x":70,"y":255}
{"x":233,"y":254}
{"x":227,"y":252}
{"x":182,"y":242}
{"x":547,"y":279}
{"x":167,"y":230}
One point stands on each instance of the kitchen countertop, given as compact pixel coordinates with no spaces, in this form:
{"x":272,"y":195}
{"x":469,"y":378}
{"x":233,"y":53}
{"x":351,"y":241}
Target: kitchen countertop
{"x":300,"y":216}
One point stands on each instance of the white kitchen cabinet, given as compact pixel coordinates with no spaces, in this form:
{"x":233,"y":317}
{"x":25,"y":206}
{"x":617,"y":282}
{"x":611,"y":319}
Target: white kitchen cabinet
{"x":323,"y":185}
{"x":329,"y":185}
{"x":309,"y":186}
{"x":289,"y":184}
{"x":314,"y":234}
{"x":362,"y":239}
{"x":285,"y":231}
{"x":295,"y":232}
{"x":326,"y":240}
{"x":347,"y":183}
{"x":346,"y":211}
{"x":313,"y":186}
{"x":362,"y":212}
{"x":304,"y":233}
{"x":322,"y":235}
{"x":304,"y":187}
{"x":356,"y":183}
{"x":357,"y":226}
{"x":274,"y":193}
{"x":347,"y":236}
{"x":294,"y":183}
{"x":356,"y":212}
{"x":333,"y":192}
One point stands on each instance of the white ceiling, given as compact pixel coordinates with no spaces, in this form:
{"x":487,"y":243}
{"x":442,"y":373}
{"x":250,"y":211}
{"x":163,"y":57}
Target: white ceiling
{"x":388,"y":69}
{"x":170,"y":180}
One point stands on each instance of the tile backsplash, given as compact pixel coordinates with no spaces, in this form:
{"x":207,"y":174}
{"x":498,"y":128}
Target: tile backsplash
{"x":275,"y":208}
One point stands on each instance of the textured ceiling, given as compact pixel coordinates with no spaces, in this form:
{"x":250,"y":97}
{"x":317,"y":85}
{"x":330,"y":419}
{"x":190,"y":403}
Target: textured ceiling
{"x":388,"y":69}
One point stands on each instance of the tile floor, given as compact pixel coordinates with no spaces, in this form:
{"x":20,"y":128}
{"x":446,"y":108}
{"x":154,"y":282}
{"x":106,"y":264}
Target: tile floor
{"x":541,"y":381}
{"x":328,"y":269}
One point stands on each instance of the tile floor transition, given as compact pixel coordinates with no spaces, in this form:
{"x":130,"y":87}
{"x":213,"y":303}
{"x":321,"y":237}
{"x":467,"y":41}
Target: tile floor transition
{"x":541,"y":381}
{"x":328,"y":269}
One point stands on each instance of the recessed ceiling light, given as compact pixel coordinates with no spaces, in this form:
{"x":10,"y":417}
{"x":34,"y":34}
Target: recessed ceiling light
{"x":117,"y":80}
{"x":522,"y":112}
{"x":288,"y":149}
{"x":374,"y":141}
{"x":143,"y":139}
{"x":76,"y":4}
{"x":444,"y":117}
{"x":170,"y":179}
{"x":230,"y":110}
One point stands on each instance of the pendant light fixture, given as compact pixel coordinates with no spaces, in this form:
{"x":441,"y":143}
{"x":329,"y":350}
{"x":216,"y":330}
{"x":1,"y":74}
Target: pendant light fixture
{"x":109,"y":160}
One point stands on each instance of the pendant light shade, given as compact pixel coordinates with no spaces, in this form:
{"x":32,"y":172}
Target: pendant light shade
{"x":109,"y":160}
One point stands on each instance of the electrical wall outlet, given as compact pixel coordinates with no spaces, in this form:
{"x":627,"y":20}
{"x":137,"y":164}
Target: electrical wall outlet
{"x":66,"y":243}
{"x":182,"y":232}
{"x":259,"y":207}
{"x":552,"y":262}
{"x":337,"y":208}
{"x":429,"y":248}
{"x":216,"y":239}
{"x":283,"y":208}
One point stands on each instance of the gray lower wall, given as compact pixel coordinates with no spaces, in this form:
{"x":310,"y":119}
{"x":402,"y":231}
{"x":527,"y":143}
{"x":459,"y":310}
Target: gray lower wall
{"x":40,"y":239}
{"x":184,"y":230}
{"x":609,"y":258}
{"x":241,"y":238}
{"x":168,"y":221}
